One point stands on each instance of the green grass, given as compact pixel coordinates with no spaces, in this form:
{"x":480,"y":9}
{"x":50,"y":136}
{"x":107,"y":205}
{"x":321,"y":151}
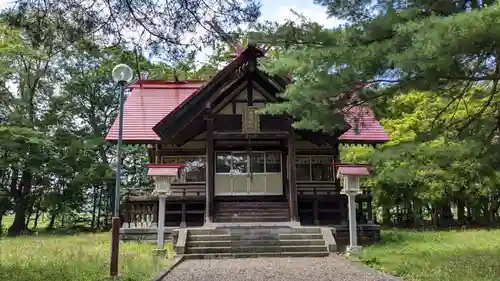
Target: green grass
{"x":430,"y":256}
{"x":76,"y":258}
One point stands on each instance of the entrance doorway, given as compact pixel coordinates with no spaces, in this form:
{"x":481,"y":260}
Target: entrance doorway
{"x":248,"y":173}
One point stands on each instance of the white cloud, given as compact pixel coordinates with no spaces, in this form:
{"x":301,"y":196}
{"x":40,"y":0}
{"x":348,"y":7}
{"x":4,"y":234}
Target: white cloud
{"x":312,"y":12}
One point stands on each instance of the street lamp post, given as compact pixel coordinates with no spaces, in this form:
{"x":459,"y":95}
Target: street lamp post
{"x":122,"y":74}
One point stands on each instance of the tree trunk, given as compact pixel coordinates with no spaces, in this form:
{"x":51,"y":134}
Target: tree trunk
{"x":94,"y":206}
{"x":386,"y":216}
{"x":461,"y":211}
{"x":21,"y":205}
{"x":445,"y":214}
{"x":99,"y":207}
{"x":37,"y":216}
{"x":417,"y":213}
{"x":52,"y":221}
{"x":2,"y":213}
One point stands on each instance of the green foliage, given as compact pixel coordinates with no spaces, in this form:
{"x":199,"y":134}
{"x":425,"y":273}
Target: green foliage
{"x":428,"y":256}
{"x":394,"y":51}
{"x":82,"y":257}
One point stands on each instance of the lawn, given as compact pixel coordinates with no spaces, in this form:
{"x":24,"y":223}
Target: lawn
{"x":76,"y":258}
{"x":429,"y":256}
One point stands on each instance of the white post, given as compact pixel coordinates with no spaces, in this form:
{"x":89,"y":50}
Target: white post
{"x":353,"y":235}
{"x":161,"y":221}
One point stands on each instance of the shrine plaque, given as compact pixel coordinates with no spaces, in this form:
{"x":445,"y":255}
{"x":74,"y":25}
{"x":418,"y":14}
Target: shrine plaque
{"x":251,"y":120}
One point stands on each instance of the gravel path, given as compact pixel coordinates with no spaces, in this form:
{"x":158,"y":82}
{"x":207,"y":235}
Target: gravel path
{"x":332,"y":268}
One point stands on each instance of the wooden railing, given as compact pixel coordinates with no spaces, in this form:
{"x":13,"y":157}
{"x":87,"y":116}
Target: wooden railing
{"x":316,"y":188}
{"x":188,"y":189}
{"x":140,"y":214}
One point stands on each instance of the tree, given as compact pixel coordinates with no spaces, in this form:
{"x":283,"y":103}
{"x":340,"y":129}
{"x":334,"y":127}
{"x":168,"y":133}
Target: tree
{"x":156,"y":25}
{"x":421,"y":45}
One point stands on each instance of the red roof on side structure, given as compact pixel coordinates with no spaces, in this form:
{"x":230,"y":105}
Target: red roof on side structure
{"x":147,"y":104}
{"x":364,"y":126}
{"x":152,"y":100}
{"x":353,"y":171}
{"x":164,"y":170}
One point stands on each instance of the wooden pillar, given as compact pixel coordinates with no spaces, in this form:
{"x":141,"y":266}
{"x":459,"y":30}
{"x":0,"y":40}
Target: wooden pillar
{"x":210,"y":156}
{"x":157,"y":154}
{"x":342,"y":202}
{"x":284,"y":171}
{"x":183,"y":215}
{"x":369,"y":211}
{"x":361,"y":210}
{"x":160,"y":240}
{"x":292,"y":178}
{"x":316,"y":211}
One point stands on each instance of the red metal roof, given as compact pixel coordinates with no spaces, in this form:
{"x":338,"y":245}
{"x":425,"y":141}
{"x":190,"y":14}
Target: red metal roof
{"x":147,"y":104}
{"x":152,"y":100}
{"x":364,"y":126}
{"x":168,"y":170}
{"x":165,"y":172}
{"x":353,"y":170}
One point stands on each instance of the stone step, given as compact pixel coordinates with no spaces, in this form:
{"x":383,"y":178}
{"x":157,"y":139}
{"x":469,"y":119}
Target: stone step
{"x":274,"y":230}
{"x":256,"y":249}
{"x":235,"y":237}
{"x":255,"y":243}
{"x":255,"y":255}
{"x":208,"y":231}
{"x":253,"y":230}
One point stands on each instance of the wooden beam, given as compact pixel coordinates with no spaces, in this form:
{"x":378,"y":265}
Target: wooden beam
{"x":315,"y":212}
{"x":157,"y":154}
{"x":210,"y":156}
{"x":183,"y":215}
{"x":228,"y":95}
{"x":249,"y":84}
{"x":261,"y":135}
{"x":292,"y":178}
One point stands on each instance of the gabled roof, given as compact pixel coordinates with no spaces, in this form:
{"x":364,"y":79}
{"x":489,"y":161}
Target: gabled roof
{"x":154,"y":105}
{"x":147,"y":104}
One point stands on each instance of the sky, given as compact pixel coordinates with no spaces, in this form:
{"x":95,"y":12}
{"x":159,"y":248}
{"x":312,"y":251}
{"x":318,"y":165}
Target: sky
{"x":275,"y":10}
{"x":279,"y":11}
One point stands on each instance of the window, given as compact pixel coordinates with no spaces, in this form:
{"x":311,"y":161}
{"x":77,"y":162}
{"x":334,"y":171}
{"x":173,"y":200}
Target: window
{"x":257,"y":162}
{"x":303,"y":167}
{"x":223,"y":162}
{"x":193,"y":170}
{"x":273,"y":162}
{"x":237,"y":162}
{"x":314,"y":168}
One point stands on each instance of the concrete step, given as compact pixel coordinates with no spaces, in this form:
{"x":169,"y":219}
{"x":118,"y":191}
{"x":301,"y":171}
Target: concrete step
{"x":235,"y":237}
{"x":255,"y":255}
{"x":208,"y":231}
{"x":256,"y":249}
{"x":255,"y":243}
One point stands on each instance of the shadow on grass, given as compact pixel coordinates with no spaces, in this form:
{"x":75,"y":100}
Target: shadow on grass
{"x":70,"y":231}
